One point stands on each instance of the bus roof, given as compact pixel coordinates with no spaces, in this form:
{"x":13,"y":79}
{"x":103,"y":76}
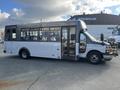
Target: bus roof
{"x":47,"y":24}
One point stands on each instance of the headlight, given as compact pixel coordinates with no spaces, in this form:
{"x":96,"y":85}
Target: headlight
{"x":109,"y":49}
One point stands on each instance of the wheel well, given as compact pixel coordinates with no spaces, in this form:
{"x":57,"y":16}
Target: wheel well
{"x":95,"y":51}
{"x":23,"y":49}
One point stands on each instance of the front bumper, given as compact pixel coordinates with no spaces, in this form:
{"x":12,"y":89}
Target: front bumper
{"x":107,"y":57}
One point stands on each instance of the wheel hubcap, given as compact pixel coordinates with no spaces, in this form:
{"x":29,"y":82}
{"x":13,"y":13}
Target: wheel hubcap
{"x":24,"y":55}
{"x":94,"y":58}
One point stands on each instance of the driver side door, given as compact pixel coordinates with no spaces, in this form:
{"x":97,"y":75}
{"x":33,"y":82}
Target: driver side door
{"x":83,"y":43}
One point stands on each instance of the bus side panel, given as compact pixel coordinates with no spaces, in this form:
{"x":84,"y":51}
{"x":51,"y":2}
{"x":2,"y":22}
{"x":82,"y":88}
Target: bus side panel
{"x":37,"y":49}
{"x":8,"y":47}
{"x":91,"y":47}
{"x":46,"y":49}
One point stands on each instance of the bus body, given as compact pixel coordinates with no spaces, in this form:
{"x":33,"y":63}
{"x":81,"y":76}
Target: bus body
{"x":60,"y":40}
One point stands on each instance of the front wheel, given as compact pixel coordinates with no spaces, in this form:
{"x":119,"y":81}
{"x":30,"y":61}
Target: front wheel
{"x":24,"y":54}
{"x":94,"y":57}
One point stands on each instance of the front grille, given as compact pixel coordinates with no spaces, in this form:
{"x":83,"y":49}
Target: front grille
{"x":115,"y":49}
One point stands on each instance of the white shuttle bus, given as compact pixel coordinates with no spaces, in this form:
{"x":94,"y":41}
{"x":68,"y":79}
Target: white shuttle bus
{"x":60,"y":40}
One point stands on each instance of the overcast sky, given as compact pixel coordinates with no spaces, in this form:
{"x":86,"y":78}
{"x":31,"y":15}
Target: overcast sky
{"x":24,"y":11}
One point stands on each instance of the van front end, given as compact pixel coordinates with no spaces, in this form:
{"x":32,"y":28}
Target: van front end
{"x":95,"y":50}
{"x":99,"y":52}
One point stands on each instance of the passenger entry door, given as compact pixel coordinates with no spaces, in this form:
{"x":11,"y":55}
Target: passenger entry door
{"x":68,"y":42}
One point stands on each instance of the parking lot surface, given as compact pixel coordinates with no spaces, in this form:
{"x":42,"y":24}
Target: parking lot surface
{"x":44,"y":74}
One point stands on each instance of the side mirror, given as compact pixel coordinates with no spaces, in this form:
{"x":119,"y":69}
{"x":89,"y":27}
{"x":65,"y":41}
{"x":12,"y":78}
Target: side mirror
{"x":102,"y":37}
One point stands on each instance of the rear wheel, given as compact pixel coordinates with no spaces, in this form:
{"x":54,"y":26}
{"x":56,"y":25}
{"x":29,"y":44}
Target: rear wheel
{"x":24,"y":54}
{"x":94,"y":57}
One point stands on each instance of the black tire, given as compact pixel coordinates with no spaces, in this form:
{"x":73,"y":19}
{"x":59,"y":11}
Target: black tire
{"x":24,"y":54}
{"x":94,"y":57}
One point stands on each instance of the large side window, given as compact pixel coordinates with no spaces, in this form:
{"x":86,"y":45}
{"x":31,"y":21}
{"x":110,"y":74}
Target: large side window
{"x":7,"y":34}
{"x":40,"y":35}
{"x":23,"y":34}
{"x":44,"y":34}
{"x":14,"y":34}
{"x":54,"y":34}
{"x":33,"y":34}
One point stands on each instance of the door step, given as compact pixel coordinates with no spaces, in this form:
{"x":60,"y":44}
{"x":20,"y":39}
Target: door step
{"x":69,"y":58}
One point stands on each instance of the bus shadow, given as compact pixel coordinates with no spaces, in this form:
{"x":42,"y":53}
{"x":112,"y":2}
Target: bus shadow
{"x":81,"y":60}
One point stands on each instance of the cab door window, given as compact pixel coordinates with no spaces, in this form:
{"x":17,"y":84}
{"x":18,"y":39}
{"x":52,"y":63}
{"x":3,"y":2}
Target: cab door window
{"x":83,"y":43}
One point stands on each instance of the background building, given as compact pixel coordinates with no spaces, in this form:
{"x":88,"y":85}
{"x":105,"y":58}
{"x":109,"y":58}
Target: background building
{"x":99,"y":23}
